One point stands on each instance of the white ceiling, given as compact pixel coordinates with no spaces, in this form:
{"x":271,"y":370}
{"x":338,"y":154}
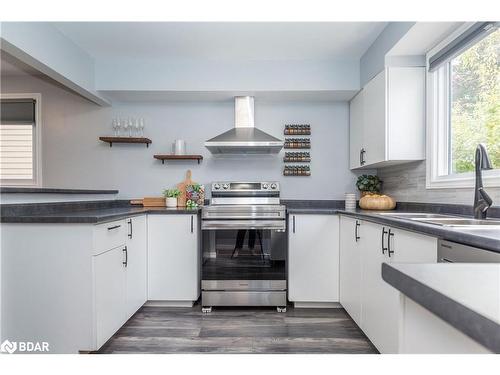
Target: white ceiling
{"x":222,"y":40}
{"x":10,"y":66}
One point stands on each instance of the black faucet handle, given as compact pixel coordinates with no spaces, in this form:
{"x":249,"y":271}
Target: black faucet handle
{"x":485,"y":197}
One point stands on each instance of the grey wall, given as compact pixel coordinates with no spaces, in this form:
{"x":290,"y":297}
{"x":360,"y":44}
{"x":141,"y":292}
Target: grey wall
{"x":406,"y":183}
{"x":373,"y":60}
{"x":74,"y":158}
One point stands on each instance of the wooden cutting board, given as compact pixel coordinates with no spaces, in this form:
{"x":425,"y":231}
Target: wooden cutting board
{"x":181,"y":201}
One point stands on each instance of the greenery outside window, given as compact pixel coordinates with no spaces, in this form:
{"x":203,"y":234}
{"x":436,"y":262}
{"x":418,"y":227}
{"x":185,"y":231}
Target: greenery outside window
{"x":463,"y":111}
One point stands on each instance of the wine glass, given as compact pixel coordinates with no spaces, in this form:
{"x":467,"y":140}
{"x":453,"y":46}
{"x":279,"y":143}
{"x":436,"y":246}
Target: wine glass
{"x":130,"y":126}
{"x":125,"y":127}
{"x":141,"y":126}
{"x":114,"y":125}
{"x":137,"y":128}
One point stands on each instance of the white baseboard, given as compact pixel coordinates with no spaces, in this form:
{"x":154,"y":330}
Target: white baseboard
{"x":169,"y":303}
{"x":317,"y":305}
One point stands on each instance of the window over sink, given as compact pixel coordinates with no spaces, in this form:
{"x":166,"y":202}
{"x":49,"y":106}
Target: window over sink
{"x":464,"y":106}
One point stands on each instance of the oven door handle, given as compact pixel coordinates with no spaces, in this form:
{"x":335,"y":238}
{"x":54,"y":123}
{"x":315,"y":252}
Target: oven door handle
{"x":243,"y":224}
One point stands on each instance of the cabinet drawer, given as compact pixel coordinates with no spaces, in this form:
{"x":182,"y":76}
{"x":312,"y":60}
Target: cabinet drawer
{"x":109,"y":235}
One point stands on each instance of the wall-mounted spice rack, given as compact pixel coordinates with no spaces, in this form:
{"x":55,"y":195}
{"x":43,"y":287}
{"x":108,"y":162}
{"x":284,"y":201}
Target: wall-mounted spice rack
{"x":297,"y":143}
{"x":297,"y":170}
{"x":293,"y":129}
{"x":297,"y":157}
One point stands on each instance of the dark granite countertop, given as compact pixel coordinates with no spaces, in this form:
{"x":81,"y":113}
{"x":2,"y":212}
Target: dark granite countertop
{"x":486,"y":238}
{"x":94,"y":215}
{"x":35,"y":190}
{"x":446,"y":290}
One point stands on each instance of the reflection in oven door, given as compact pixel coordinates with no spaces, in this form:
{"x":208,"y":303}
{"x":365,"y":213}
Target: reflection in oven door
{"x":244,"y":255}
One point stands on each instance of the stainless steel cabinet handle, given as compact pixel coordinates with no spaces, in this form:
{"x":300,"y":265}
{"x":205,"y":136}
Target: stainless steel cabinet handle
{"x":363,"y":151}
{"x":114,"y":227}
{"x":192,"y":224}
{"x":384,"y":232}
{"x":389,"y":251}
{"x":125,"y":263}
{"x":356,"y":237}
{"x":130,"y":224}
{"x":293,"y":223}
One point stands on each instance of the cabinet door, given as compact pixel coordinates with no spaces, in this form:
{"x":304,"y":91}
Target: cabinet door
{"x":380,"y":301}
{"x":356,"y":130}
{"x":374,"y":120}
{"x":173,"y":258}
{"x":313,"y":257}
{"x":109,"y":293}
{"x":136,"y":264}
{"x":351,"y":239}
{"x":409,"y":247}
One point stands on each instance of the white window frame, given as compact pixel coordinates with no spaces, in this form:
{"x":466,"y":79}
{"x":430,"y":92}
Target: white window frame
{"x":37,"y":142}
{"x":437,"y":149}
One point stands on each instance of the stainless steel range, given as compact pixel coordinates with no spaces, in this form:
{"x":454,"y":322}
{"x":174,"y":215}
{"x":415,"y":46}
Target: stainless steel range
{"x":244,"y":246}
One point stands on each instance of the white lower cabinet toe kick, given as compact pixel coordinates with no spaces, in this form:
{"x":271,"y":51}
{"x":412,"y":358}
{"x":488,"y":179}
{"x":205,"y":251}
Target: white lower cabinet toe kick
{"x":73,"y":286}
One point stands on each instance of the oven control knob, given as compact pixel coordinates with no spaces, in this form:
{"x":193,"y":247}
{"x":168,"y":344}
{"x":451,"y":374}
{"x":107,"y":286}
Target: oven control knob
{"x":274,"y":186}
{"x":265,"y":186}
{"x":225,"y":186}
{"x":216,"y":186}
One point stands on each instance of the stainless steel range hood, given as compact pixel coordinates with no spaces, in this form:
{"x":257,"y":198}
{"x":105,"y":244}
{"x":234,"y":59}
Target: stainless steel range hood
{"x":244,"y":138}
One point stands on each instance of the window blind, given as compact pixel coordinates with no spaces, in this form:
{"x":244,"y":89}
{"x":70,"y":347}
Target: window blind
{"x":475,"y":33}
{"x":17,"y":121}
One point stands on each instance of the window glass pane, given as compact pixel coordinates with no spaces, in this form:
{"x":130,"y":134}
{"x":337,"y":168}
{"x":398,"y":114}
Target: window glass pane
{"x":16,"y":152}
{"x":475,"y":104}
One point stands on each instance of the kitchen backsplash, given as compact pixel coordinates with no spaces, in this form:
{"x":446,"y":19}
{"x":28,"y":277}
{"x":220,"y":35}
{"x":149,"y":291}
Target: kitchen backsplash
{"x":406,"y":183}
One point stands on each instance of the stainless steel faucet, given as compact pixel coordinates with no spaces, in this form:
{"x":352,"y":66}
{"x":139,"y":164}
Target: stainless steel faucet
{"x":482,"y":200}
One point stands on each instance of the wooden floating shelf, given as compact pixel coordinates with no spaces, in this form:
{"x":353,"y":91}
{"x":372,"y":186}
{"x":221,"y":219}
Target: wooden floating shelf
{"x":112,"y":140}
{"x":164,"y":157}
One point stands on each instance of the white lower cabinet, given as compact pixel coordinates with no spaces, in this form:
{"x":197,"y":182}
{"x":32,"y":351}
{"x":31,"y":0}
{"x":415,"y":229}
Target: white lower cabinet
{"x":352,"y":237}
{"x":109,"y":293}
{"x":173,"y":258}
{"x":313,"y":258}
{"x":136,"y":273}
{"x":373,"y":304}
{"x":119,"y":277}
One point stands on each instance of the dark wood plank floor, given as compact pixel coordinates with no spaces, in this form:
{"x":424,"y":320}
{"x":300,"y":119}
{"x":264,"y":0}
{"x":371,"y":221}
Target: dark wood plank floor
{"x":239,"y":330}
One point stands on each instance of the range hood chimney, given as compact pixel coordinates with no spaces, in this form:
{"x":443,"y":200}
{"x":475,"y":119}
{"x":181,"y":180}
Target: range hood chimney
{"x":244,"y":138}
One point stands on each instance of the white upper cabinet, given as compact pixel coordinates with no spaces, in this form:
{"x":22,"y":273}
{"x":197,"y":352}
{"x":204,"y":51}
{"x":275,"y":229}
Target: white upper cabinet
{"x":387,"y":119}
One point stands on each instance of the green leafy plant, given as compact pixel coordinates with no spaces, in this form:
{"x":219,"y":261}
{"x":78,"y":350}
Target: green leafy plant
{"x":369,"y":183}
{"x":171,"y":193}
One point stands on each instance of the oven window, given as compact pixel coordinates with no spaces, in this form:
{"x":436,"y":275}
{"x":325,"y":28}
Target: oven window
{"x":244,"y":255}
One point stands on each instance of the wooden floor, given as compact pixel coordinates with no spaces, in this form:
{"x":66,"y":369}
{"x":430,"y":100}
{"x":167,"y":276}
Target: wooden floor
{"x":239,"y":330}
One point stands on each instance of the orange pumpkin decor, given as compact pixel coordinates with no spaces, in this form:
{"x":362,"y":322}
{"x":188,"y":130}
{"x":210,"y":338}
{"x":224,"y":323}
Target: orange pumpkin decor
{"x":377,"y":202}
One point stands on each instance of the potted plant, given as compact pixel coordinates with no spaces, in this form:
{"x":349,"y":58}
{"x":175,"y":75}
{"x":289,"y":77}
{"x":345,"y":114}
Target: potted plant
{"x":171,"y":195}
{"x":368,"y":184}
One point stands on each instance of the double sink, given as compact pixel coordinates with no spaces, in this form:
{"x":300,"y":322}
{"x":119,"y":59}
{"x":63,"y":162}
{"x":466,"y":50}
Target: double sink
{"x":443,"y":220}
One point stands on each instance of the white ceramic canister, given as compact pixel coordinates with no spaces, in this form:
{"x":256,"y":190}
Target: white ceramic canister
{"x":180,"y":147}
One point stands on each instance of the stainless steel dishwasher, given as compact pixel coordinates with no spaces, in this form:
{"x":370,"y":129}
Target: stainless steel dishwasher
{"x":451,"y":252}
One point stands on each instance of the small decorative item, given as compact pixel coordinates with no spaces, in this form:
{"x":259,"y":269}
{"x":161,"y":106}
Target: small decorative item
{"x":172,"y":195}
{"x":377,"y":202}
{"x":350,"y":201}
{"x":179,"y":147}
{"x":368,"y":184}
{"x":195,"y":195}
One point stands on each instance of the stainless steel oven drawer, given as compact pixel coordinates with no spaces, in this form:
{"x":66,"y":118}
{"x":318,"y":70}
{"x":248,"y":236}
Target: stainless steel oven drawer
{"x":243,"y":298}
{"x":251,"y":285}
